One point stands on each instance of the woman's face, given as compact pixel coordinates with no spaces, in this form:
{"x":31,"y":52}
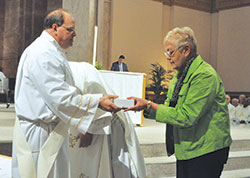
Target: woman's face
{"x":176,"y":55}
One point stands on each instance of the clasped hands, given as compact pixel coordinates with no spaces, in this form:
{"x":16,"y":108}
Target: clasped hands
{"x":106,"y":103}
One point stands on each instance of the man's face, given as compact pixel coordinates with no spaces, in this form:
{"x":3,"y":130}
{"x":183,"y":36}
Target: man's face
{"x":242,"y":98}
{"x":228,"y":99}
{"x":175,"y":55}
{"x":235,"y":102}
{"x":66,"y":32}
{"x":121,"y":60}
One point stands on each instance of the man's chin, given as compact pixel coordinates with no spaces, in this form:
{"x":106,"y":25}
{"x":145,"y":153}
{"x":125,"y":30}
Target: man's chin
{"x":67,"y":46}
{"x":70,"y":44}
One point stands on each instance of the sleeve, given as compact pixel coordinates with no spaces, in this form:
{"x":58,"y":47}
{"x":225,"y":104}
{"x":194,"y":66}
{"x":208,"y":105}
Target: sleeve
{"x":113,"y":67}
{"x":126,"y":68}
{"x":248,"y":118}
{"x":49,"y":75}
{"x":197,"y":100}
{"x":88,"y":76}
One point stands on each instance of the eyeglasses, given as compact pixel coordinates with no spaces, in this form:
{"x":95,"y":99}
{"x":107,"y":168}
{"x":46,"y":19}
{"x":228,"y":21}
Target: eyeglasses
{"x":169,"y":53}
{"x":69,"y":29}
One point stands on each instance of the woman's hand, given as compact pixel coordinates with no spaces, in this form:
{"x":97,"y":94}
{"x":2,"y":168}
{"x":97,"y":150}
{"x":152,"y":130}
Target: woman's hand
{"x":140,"y":104}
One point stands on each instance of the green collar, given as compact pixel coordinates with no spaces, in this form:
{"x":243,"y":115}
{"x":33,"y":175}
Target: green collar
{"x":195,"y":64}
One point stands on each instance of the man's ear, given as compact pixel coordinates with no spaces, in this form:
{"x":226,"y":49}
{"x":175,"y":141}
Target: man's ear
{"x":54,"y":27}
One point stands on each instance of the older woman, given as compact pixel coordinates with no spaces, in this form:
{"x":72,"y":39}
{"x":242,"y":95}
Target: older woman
{"x":196,"y":113}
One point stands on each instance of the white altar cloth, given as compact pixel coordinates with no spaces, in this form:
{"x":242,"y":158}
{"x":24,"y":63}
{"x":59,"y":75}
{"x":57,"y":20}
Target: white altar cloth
{"x":126,"y":84}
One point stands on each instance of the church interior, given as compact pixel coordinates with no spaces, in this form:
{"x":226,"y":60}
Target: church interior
{"x":107,"y":29}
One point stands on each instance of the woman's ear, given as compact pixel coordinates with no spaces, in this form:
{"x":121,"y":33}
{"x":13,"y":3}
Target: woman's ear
{"x":187,"y":50}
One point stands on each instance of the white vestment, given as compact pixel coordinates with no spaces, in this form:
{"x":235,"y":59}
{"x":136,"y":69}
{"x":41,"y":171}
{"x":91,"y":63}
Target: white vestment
{"x":4,"y":84}
{"x":115,"y":151}
{"x":2,"y":78}
{"x":231,"y":110}
{"x":243,"y":113}
{"x":46,"y":104}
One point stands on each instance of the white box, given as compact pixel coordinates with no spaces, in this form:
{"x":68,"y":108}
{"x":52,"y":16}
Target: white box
{"x":124,"y":103}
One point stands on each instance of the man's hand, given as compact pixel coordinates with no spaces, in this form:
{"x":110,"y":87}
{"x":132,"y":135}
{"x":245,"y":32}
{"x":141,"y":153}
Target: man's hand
{"x":106,"y":103}
{"x":85,"y":139}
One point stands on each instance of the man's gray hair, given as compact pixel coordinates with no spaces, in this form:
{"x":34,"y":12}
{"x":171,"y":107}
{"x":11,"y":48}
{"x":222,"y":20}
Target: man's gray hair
{"x":54,"y":17}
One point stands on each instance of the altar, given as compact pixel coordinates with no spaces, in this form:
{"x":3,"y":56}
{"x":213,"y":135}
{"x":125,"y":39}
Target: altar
{"x":122,"y":84}
{"x":126,"y":84}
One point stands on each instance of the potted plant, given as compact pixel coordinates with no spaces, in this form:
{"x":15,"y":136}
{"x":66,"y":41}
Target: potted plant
{"x":159,"y":86}
{"x":98,"y":66}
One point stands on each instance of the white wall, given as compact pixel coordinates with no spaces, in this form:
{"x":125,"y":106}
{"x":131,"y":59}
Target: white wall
{"x":200,"y":22}
{"x":137,"y":33}
{"x":139,"y":26}
{"x":233,"y":60}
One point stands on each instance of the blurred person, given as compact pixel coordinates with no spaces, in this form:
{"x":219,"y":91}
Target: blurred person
{"x":196,"y":113}
{"x":242,"y":112}
{"x":47,"y":103}
{"x":119,"y":65}
{"x":248,"y":103}
{"x":235,"y":102}
{"x":242,"y":98}
{"x":3,"y":88}
{"x":231,"y":108}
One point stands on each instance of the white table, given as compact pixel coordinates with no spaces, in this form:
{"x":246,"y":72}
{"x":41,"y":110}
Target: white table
{"x":126,"y":84}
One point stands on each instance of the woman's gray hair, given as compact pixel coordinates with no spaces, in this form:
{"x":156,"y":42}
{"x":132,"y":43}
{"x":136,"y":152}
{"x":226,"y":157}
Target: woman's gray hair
{"x":182,"y":36}
{"x":54,"y":17}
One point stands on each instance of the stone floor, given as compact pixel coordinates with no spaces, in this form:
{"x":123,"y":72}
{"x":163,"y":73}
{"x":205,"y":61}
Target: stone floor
{"x":151,"y":133}
{"x":154,"y":133}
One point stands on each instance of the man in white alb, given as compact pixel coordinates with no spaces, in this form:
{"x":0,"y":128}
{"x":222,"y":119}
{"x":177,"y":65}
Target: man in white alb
{"x":231,"y":109}
{"x":4,"y":87}
{"x":242,"y":111}
{"x":47,"y":103}
{"x":114,"y":151}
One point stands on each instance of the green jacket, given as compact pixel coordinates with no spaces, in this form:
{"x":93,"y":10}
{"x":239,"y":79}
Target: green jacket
{"x":200,"y":118}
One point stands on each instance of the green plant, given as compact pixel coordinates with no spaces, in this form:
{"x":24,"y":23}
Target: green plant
{"x":158,"y":86}
{"x":98,"y":66}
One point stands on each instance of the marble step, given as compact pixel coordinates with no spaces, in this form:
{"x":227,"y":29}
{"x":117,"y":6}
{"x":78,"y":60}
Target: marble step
{"x":6,"y":134}
{"x":164,"y":166}
{"x":7,"y":122}
{"x":3,"y":107}
{"x":240,"y":173}
{"x":159,"y":149}
{"x":7,"y":116}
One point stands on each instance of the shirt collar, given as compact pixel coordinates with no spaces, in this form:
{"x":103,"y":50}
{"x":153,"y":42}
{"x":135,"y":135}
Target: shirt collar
{"x":47,"y":36}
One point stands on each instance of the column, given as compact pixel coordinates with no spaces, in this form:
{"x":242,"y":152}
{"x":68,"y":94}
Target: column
{"x":84,"y":14}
